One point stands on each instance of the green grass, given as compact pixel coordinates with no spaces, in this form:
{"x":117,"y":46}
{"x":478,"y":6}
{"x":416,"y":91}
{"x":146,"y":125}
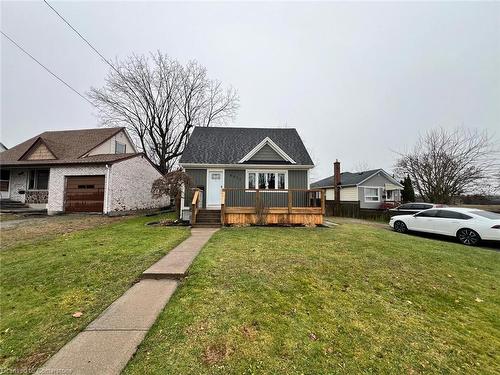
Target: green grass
{"x":353,"y":299}
{"x":44,"y":282}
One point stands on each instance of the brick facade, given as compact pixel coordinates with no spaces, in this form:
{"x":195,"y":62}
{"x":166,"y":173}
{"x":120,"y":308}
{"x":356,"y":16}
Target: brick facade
{"x":18,"y":181}
{"x":130,"y":186}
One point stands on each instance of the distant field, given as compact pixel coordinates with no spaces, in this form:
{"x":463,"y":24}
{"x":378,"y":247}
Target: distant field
{"x":487,"y":207}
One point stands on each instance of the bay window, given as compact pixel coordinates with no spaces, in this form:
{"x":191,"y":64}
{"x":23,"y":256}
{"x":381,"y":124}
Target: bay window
{"x":266,"y":180}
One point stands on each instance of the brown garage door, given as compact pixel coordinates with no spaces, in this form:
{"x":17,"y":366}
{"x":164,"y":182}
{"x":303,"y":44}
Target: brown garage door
{"x":84,"y":194}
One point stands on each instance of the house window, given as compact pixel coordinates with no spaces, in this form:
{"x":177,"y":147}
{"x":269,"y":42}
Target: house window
{"x":389,"y":196}
{"x":266,"y":180}
{"x":372,"y":194}
{"x":251,"y":180}
{"x":120,"y":148}
{"x":38,"y":179}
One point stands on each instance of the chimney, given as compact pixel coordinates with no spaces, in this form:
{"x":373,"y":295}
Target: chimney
{"x":336,"y":180}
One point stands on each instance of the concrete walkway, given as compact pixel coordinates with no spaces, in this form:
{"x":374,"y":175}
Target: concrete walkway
{"x":108,"y":343}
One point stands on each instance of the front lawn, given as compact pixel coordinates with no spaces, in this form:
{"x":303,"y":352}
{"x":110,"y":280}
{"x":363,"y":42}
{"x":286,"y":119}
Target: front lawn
{"x":43,"y":282}
{"x":352,"y":299}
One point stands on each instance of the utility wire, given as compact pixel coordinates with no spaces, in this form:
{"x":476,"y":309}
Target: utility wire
{"x":81,"y":36}
{"x":43,"y":66}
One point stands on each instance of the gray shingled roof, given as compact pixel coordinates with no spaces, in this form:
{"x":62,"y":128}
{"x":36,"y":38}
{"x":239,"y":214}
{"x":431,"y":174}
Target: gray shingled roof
{"x":67,"y":146}
{"x":222,"y":145}
{"x":346,"y":179}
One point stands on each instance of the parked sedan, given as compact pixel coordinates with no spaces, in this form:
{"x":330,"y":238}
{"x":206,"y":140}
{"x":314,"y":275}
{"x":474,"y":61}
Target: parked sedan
{"x":469,"y":225}
{"x":413,"y":208}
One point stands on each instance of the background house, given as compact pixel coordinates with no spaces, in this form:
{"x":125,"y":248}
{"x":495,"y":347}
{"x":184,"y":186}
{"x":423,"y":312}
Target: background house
{"x":371,"y":188}
{"x":90,"y":170}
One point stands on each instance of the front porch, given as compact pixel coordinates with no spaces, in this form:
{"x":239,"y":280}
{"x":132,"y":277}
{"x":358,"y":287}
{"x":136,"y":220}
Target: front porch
{"x":263,"y":207}
{"x":27,"y":186}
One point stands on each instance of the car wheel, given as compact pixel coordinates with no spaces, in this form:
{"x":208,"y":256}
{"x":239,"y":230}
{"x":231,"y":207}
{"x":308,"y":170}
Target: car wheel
{"x":400,"y":227}
{"x":468,"y":237}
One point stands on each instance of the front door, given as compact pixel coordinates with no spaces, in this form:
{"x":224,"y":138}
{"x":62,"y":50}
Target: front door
{"x":215,"y":182}
{"x":4,"y":183}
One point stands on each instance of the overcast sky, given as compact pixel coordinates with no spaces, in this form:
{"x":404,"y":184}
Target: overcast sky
{"x":357,"y":80}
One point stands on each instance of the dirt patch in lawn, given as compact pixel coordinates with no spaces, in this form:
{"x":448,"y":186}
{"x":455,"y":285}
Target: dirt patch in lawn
{"x":33,"y":229}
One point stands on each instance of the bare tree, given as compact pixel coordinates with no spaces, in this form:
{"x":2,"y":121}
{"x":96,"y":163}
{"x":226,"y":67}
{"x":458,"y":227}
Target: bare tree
{"x":160,"y":101}
{"x":361,"y":166}
{"x":444,"y":164}
{"x":172,"y":185}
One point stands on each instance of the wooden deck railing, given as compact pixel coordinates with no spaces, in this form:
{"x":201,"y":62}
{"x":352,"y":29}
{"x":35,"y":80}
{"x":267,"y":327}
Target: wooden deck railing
{"x":195,"y":204}
{"x":279,"y":200}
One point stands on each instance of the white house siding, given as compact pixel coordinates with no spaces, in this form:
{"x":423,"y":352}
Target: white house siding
{"x":346,"y":194}
{"x":108,"y":147}
{"x":130,"y":185}
{"x":18,"y":181}
{"x":57,"y":184}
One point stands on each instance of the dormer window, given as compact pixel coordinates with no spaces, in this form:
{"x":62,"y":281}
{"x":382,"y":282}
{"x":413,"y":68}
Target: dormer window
{"x":120,"y":148}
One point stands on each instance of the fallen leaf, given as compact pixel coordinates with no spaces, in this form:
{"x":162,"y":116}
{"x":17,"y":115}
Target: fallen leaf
{"x":478,"y":299}
{"x":77,"y":314}
{"x":312,"y":336}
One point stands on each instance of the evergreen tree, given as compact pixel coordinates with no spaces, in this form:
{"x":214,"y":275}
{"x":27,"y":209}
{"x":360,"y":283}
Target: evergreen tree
{"x":408,"y":194}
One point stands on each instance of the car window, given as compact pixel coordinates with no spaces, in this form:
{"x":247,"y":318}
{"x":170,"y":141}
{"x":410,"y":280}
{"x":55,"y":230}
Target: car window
{"x":447,"y":214}
{"x":486,"y":214}
{"x":427,"y":213}
{"x":404,"y":206}
{"x":424,"y":206}
{"x":413,"y":206}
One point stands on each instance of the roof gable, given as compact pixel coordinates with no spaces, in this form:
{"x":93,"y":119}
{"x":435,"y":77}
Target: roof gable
{"x":353,"y":179}
{"x":66,"y":145}
{"x":268,"y":151}
{"x":39,"y":151}
{"x":221,"y":145}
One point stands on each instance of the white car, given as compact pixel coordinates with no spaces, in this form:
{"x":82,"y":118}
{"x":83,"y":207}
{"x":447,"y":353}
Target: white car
{"x":469,"y":225}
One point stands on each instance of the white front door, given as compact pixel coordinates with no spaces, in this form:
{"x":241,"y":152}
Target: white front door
{"x":215,"y":182}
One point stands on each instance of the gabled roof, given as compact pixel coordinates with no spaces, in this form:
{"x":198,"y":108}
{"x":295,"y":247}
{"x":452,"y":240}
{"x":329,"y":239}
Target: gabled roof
{"x":222,"y":145}
{"x":351,"y":179}
{"x":67,"y":146}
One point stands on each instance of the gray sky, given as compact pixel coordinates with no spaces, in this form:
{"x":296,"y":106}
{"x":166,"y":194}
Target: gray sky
{"x":356,"y":79}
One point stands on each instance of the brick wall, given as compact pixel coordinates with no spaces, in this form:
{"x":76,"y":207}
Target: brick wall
{"x":130,"y":186}
{"x":18,"y":181}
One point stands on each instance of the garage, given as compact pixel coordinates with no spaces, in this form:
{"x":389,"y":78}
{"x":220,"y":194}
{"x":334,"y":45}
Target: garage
{"x":84,"y":194}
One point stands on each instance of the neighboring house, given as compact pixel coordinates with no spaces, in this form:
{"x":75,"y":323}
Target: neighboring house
{"x":90,"y":170}
{"x":2,"y":147}
{"x":371,"y":188}
{"x":242,"y":170}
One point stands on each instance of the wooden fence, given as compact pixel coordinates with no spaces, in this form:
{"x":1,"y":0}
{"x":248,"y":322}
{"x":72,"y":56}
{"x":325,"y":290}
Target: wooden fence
{"x":353,"y":210}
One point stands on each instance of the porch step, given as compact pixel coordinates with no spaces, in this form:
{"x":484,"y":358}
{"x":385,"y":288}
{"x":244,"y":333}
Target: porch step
{"x":208,"y":218}
{"x":8,"y":204}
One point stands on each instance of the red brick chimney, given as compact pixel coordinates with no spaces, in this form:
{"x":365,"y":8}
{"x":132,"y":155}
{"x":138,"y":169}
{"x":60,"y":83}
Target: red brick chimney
{"x":336,"y":180}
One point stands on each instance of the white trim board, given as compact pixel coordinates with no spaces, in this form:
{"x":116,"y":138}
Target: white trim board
{"x":273,"y":145}
{"x":257,"y":171}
